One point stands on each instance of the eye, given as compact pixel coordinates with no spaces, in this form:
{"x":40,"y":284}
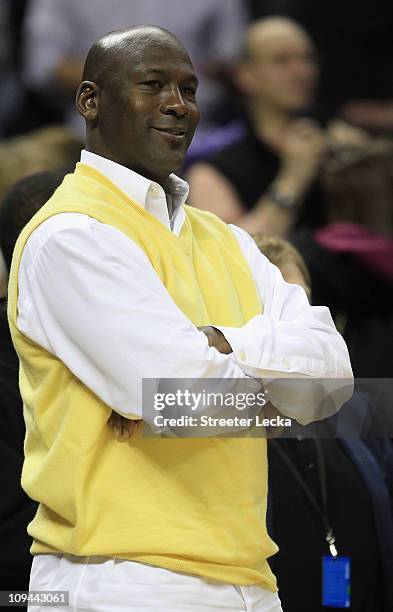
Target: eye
{"x":154,"y":84}
{"x":189,"y":91}
{"x":282,"y":60}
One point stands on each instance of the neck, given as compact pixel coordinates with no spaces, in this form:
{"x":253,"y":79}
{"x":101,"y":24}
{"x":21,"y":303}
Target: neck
{"x":97,"y":149}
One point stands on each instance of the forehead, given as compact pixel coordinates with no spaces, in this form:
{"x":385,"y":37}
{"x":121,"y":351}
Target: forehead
{"x":284,"y":41}
{"x":165,"y":56}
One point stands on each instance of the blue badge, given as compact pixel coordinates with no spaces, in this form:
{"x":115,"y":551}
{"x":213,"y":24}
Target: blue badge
{"x":336,"y":582}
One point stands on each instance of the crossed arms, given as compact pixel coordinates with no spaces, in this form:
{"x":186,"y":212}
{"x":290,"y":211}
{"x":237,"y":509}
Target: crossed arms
{"x":90,"y":296}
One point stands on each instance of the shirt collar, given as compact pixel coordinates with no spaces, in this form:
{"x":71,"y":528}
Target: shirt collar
{"x":143,"y":191}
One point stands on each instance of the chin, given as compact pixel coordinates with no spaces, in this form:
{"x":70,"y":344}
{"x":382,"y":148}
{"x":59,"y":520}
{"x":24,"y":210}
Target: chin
{"x":299,"y":105}
{"x":171,"y":163}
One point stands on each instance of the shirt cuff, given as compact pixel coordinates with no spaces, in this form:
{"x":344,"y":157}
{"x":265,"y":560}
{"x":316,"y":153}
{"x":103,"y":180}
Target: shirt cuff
{"x":252,"y":351}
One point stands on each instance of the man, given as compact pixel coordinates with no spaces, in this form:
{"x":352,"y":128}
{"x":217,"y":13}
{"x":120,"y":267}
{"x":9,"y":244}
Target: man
{"x":283,"y":148}
{"x":282,"y":152}
{"x":356,"y":63}
{"x":108,"y":283}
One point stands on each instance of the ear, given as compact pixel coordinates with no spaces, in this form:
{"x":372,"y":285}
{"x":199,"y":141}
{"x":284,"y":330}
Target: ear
{"x":87,"y":100}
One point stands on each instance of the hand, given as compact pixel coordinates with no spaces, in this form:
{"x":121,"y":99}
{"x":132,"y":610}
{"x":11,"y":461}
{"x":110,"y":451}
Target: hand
{"x":122,"y":428}
{"x":217,"y":339}
{"x":343,"y":134}
{"x":302,"y":149}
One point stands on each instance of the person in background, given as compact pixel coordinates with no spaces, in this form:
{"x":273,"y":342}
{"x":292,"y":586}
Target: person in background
{"x":3,"y":277}
{"x":58,"y":34}
{"x":45,"y":149}
{"x":355,"y":42}
{"x":358,"y":479}
{"x":16,"y":509}
{"x":288,"y":260}
{"x":264,"y":181}
{"x":17,"y":111}
{"x":351,"y":258}
{"x":21,"y":202}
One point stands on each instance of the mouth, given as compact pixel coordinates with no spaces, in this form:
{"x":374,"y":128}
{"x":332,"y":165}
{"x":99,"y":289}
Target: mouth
{"x":174,"y":134}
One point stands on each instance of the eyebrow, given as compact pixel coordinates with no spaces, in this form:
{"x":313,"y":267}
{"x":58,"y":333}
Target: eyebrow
{"x":190,"y":76}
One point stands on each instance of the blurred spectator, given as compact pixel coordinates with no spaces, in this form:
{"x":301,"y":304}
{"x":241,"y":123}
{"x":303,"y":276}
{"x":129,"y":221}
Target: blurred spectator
{"x":16,"y":14}
{"x":3,"y":277}
{"x":355,"y":42}
{"x":350,"y":486}
{"x":20,"y":109}
{"x":45,"y":149}
{"x":16,"y":509}
{"x":10,"y":87}
{"x":21,"y":203}
{"x":264,"y":181}
{"x":351,"y":258}
{"x":59,"y":33}
{"x":287,"y":259}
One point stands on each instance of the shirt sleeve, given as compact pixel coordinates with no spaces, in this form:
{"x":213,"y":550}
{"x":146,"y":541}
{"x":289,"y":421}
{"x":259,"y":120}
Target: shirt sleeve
{"x":291,"y":339}
{"x":90,"y":296}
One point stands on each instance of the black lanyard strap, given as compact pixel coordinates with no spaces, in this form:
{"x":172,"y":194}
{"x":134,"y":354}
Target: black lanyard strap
{"x":320,"y":511}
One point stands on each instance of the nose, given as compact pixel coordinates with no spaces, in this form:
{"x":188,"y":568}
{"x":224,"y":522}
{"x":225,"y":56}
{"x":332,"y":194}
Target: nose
{"x":173,"y":103}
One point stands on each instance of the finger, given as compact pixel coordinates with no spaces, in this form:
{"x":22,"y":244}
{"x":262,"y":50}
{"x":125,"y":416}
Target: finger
{"x":307,"y":132}
{"x":128,"y":429}
{"x":122,"y":428}
{"x":114,"y":423}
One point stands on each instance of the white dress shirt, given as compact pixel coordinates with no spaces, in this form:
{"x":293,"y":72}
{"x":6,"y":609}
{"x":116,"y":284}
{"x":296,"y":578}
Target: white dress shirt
{"x":89,"y":295}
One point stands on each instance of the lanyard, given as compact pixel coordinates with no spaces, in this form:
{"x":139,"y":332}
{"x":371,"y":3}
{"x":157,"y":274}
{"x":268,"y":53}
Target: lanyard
{"x":321,"y":511}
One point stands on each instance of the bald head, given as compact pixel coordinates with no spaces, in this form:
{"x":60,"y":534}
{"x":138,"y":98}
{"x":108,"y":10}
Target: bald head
{"x":272,"y":31}
{"x":278,"y":68}
{"x":117,"y":50}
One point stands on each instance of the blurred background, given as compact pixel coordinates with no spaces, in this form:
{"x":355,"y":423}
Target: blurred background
{"x":295,"y":143}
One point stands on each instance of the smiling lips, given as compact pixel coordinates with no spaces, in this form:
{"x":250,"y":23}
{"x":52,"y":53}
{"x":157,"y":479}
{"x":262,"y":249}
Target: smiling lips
{"x":172,"y":131}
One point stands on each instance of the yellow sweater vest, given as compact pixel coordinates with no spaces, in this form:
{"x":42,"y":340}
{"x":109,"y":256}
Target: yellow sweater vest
{"x":189,"y":505}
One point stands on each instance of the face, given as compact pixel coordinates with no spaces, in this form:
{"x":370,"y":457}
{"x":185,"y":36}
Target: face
{"x":147,"y":118}
{"x":282,"y":71}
